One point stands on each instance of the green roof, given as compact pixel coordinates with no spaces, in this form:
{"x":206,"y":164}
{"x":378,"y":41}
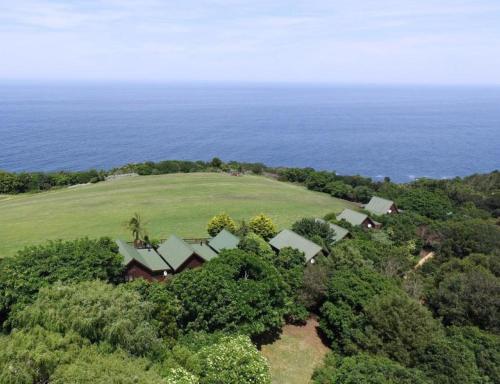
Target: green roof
{"x":204,"y":251}
{"x":379,"y":206}
{"x":224,"y":240}
{"x":340,"y":232}
{"x":287,"y":238}
{"x":147,"y":257}
{"x":352,"y":217}
{"x":176,"y":251}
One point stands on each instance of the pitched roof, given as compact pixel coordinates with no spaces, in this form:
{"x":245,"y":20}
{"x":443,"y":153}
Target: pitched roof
{"x":287,"y":238}
{"x":147,"y":257}
{"x":204,"y":251}
{"x":224,"y":240}
{"x":175,"y":250}
{"x":352,"y":217}
{"x":340,"y":232}
{"x":378,"y":205}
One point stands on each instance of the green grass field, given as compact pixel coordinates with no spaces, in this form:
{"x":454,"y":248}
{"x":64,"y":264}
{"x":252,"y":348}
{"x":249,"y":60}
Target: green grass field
{"x":179,"y":203}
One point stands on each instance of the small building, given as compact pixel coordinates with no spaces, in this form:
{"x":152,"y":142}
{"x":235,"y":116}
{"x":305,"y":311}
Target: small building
{"x":358,"y":219}
{"x":379,"y":206}
{"x":143,"y":263}
{"x":288,"y":238}
{"x":182,"y":255}
{"x":340,"y":233}
{"x":224,"y":240}
{"x":172,"y":256}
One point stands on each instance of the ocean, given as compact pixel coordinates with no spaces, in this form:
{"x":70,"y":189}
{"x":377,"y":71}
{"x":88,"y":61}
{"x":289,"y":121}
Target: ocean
{"x":403,"y":132}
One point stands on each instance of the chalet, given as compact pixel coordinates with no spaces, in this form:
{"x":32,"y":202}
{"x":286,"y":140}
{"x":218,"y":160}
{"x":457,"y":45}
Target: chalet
{"x":224,"y":240}
{"x":172,"y":256}
{"x":340,"y":233}
{"x":145,"y":263}
{"x":379,"y":206}
{"x":288,"y":238}
{"x":358,"y":219}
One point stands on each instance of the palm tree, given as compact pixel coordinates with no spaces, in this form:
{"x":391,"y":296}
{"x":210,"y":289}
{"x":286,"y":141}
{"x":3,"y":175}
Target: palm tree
{"x":136,"y":226}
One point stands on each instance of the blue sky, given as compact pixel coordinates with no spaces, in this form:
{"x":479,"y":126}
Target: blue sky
{"x":327,"y":41}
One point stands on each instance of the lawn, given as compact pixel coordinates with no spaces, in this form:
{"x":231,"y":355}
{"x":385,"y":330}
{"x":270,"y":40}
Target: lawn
{"x":294,"y":356}
{"x":179,"y":203}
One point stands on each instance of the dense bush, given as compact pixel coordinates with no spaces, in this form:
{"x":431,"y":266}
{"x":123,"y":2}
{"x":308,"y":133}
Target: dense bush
{"x":67,"y":261}
{"x":262,"y":226}
{"x":98,"y":312}
{"x":255,"y":244}
{"x":236,"y":292}
{"x":220,"y":222}
{"x":365,"y":368}
{"x":434,"y":205}
{"x":231,"y":360}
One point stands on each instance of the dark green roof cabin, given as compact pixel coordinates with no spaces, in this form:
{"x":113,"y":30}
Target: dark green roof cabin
{"x":172,"y":256}
{"x":357,"y":219}
{"x":288,"y":238}
{"x":224,"y":240}
{"x":379,"y":206}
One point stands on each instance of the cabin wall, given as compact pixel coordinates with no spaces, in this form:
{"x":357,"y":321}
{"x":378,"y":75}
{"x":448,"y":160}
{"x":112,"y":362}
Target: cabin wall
{"x":193,"y":261}
{"x":137,"y":271}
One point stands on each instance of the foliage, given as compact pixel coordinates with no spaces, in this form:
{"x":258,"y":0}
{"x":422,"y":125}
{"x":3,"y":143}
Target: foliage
{"x":446,"y":361}
{"x":317,"y":231}
{"x":165,"y":309}
{"x":253,"y":243}
{"x":485,"y":346}
{"x":220,"y":222}
{"x":31,"y":356}
{"x":98,"y":312}
{"x":461,"y":238}
{"x":95,"y":367}
{"x":434,"y":205}
{"x":232,"y":360}
{"x":262,"y":226}
{"x":465,"y":293}
{"x":136,"y":226}
{"x":235,"y":292}
{"x":364,"y":368}
{"x":314,"y":288}
{"x":67,"y":261}
{"x":398,"y":326}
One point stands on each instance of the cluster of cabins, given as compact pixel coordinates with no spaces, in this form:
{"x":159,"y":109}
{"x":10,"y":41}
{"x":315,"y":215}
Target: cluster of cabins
{"x":176,"y":255}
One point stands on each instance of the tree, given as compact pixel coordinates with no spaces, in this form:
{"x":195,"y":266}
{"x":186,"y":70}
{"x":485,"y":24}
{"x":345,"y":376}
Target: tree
{"x":314,"y":230}
{"x":98,"y":312}
{"x":447,"y":361}
{"x":253,"y":243}
{"x":220,"y":222}
{"x":31,"y":356}
{"x":397,"y":326}
{"x":235,"y":292}
{"x":67,"y":261}
{"x":341,"y":190}
{"x":434,"y":205}
{"x":262,"y":226}
{"x":364,"y":368}
{"x":94,"y":367}
{"x":216,"y":162}
{"x":466,"y":295}
{"x":136,"y":226}
{"x":232,"y":360}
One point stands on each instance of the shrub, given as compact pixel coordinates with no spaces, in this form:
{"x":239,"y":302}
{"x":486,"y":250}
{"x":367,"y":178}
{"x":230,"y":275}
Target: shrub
{"x":314,"y":230}
{"x":262,"y":226}
{"x":220,"y":222}
{"x":365,"y":368}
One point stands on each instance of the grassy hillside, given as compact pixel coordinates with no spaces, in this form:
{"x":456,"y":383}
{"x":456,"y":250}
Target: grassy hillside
{"x":179,"y":203}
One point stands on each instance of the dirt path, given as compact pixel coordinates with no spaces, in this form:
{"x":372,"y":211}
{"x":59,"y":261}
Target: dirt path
{"x":295,"y":355}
